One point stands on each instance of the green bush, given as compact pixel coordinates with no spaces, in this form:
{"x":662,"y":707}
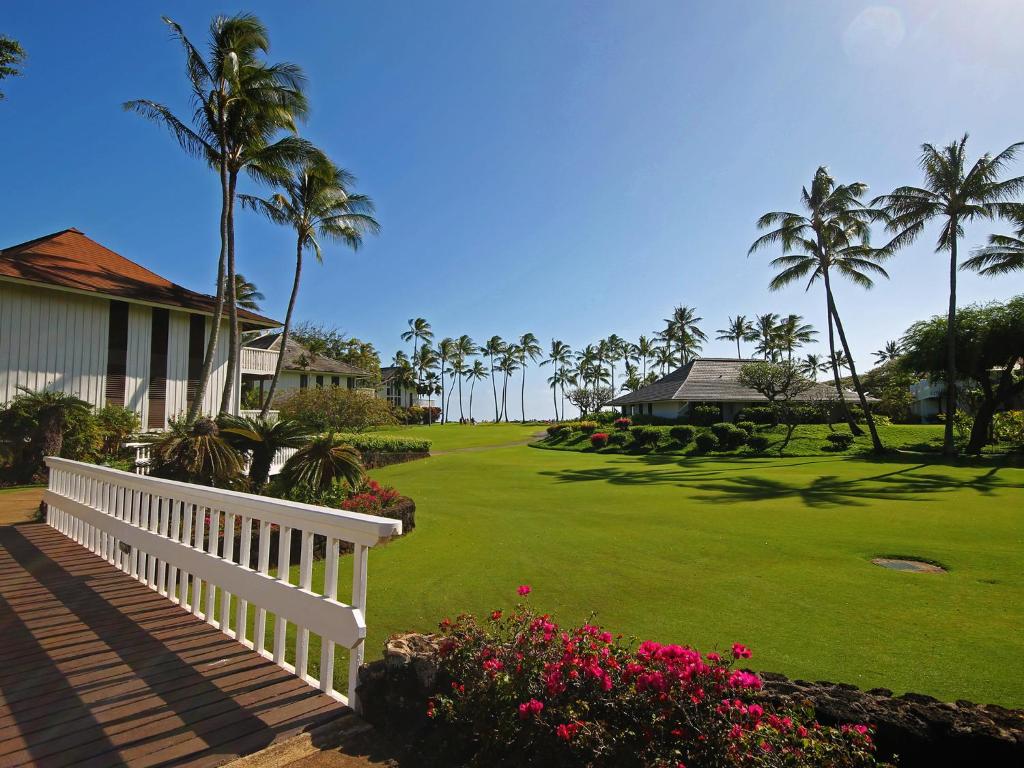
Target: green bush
{"x":371,"y":443}
{"x":706,"y":442}
{"x":758,"y":443}
{"x":840,"y":441}
{"x":1008,"y":427}
{"x":618,"y":439}
{"x":116,"y":425}
{"x":759,"y":414}
{"x":336,"y":408}
{"x":747,"y":426}
{"x":645,"y":436}
{"x":682,"y":434}
{"x":729,"y":435}
{"x":705,"y":415}
{"x":587,"y":427}
{"x":557,"y":430}
{"x":643,"y":419}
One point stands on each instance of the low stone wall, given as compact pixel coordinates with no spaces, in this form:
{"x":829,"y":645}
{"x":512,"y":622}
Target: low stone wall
{"x":922,"y":731}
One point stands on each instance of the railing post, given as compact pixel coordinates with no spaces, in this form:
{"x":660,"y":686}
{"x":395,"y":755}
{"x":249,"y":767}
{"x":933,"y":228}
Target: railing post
{"x":355,"y":659}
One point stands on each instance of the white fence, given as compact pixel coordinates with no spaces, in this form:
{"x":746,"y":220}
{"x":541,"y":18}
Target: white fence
{"x":272,"y":416}
{"x":180,"y":540}
{"x":142,"y":456}
{"x":261,"y":362}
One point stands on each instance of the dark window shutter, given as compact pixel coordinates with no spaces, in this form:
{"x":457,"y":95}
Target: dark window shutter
{"x":303,"y":381}
{"x":117,"y":352}
{"x":196,"y":351}
{"x":158,"y":369}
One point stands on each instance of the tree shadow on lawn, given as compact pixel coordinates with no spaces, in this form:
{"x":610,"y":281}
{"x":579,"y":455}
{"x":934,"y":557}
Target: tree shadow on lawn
{"x":724,"y":486}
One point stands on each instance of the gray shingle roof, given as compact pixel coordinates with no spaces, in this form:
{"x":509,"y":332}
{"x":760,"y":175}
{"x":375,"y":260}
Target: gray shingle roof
{"x":713,"y":379}
{"x":298,"y":358}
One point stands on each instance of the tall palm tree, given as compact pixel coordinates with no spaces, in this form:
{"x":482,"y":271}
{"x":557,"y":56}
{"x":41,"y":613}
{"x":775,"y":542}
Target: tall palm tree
{"x":954,"y":194}
{"x":833,"y":235}
{"x":474,"y":373}
{"x":11,"y":57}
{"x":443,"y":355}
{"x":317,"y":204}
{"x":494,"y":347}
{"x":813,"y":364}
{"x":644,"y":350}
{"x":666,"y":359}
{"x":738,"y":329}
{"x":613,"y":353}
{"x":430,"y":386}
{"x":464,"y":349}
{"x":241,"y":102}
{"x":766,"y":334}
{"x":419,"y":333}
{"x":247,"y":296}
{"x":890,"y":352}
{"x":1003,"y":254}
{"x":528,"y":350}
{"x":793,"y":332}
{"x":508,"y":365}
{"x":683,"y":326}
{"x":558,"y":358}
{"x":400,"y":359}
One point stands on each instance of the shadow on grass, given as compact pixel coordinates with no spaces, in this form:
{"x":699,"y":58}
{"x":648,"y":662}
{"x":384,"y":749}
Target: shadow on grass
{"x":729,"y":484}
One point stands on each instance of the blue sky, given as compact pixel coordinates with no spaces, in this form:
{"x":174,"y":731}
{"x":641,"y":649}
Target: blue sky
{"x":572,"y":169}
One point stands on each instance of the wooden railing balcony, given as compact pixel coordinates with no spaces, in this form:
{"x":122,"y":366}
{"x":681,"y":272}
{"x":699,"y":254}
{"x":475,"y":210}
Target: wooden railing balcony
{"x":194,"y":546}
{"x":260,"y":362}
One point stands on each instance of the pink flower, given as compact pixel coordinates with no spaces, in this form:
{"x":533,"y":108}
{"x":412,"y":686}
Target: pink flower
{"x":740,"y":651}
{"x":566,"y":731}
{"x":495,"y":615}
{"x":524,"y":590}
{"x":530,"y":709}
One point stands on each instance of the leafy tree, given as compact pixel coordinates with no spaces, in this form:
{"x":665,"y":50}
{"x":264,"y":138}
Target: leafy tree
{"x":781,"y":383}
{"x":590,"y":399}
{"x":315,"y":201}
{"x":261,"y":438}
{"x":1004,"y":253}
{"x":12,"y":55}
{"x":738,"y":329}
{"x":319,"y":409}
{"x":322,"y":462}
{"x":335,"y":344}
{"x":953,"y":194}
{"x":241,"y":103}
{"x":989,"y":342}
{"x":833,"y":235}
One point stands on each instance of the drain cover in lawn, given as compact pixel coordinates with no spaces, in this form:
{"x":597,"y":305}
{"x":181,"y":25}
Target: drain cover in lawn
{"x":912,"y":566}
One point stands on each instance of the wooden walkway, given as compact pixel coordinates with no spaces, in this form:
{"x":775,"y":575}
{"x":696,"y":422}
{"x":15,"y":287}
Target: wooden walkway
{"x":96,"y":669}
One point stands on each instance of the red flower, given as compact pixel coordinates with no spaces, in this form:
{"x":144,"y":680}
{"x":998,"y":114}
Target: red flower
{"x":524,"y":590}
{"x":495,"y":615}
{"x":530,"y":708}
{"x":740,"y":651}
{"x":566,"y":731}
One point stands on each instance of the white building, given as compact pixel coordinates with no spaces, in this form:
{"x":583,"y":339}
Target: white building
{"x":79,"y":318}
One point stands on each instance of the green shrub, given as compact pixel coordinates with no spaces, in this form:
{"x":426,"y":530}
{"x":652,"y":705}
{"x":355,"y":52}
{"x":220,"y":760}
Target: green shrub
{"x":1008,"y":427}
{"x":587,"y":427}
{"x":682,"y":434}
{"x":557,"y":430}
{"x":643,"y":419}
{"x":729,"y":435}
{"x":747,"y":426}
{"x":336,"y":408}
{"x":706,"y":442}
{"x":645,"y":436}
{"x":840,"y":441}
{"x":606,"y":417}
{"x":759,"y":414}
{"x":371,"y":443}
{"x":116,"y":425}
{"x":705,"y":415}
{"x":618,"y":439}
{"x":758,"y":443}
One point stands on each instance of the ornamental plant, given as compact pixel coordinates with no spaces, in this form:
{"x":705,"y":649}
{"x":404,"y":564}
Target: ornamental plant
{"x":706,"y":442}
{"x":623,"y":423}
{"x":524,"y":691}
{"x":587,"y":427}
{"x":599,"y":439}
{"x":646,"y":436}
{"x":839,"y":441}
{"x":682,"y":434}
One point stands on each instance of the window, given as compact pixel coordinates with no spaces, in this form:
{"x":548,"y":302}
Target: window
{"x":319,"y":382}
{"x":158,"y":369}
{"x":351,"y":383}
{"x":393,"y":394}
{"x":650,"y":409}
{"x":335,"y":381}
{"x":117,"y":352}
{"x":303,"y":381}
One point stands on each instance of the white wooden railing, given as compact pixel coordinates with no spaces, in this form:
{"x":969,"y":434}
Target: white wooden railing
{"x":142,"y":456}
{"x":258,"y":361}
{"x":179,"y":539}
{"x":282,"y":455}
{"x":272,"y":416}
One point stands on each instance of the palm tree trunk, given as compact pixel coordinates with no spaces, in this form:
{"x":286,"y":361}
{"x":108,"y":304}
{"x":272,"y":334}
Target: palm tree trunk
{"x":218,"y":304}
{"x":472,"y":386}
{"x":522,"y":394}
{"x":875,"y":441}
{"x":462,"y":416}
{"x":232,"y":299}
{"x":494,"y":391}
{"x":843,"y":408}
{"x":554,"y":398}
{"x":444,"y":409}
{"x":451,"y":391}
{"x":287,"y":327}
{"x":740,"y":356}
{"x":948,"y":448}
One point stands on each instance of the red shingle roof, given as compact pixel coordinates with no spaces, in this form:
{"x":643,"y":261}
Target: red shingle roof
{"x":69,"y":259}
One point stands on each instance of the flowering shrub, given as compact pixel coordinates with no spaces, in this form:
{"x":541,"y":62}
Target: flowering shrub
{"x":599,"y":439}
{"x":525,"y":691}
{"x":623,"y":423}
{"x":371,"y":499}
{"x":587,"y":427}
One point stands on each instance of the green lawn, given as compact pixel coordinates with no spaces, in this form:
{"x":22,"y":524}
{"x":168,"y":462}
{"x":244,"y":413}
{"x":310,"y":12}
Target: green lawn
{"x":774,"y":553}
{"x":447,"y":437}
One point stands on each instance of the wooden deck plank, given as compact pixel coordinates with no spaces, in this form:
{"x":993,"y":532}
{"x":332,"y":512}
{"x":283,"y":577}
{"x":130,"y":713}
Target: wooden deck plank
{"x":97,"y":669}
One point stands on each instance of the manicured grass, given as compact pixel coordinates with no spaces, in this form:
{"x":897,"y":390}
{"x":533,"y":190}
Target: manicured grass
{"x":774,"y":553}
{"x":808,"y":440}
{"x":447,"y":437}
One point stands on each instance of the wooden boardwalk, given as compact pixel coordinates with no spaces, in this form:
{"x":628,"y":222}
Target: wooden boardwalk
{"x":96,"y":669}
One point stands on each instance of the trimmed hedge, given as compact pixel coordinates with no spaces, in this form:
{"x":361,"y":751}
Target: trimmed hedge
{"x":706,"y":442}
{"x":682,"y":434}
{"x":618,"y":439}
{"x":758,"y":443}
{"x":646,"y":436}
{"x":371,"y":443}
{"x":705,"y":415}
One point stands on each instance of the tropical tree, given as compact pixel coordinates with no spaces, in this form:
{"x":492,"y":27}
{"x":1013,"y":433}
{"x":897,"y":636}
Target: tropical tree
{"x":473,"y":374}
{"x":494,"y":348}
{"x":528,"y":350}
{"x":261,"y":438}
{"x":12,"y":55}
{"x":890,"y":352}
{"x":464,"y":349}
{"x":443,"y":355}
{"x":316,"y":203}
{"x":430,"y":387}
{"x":419,"y":333}
{"x":559,"y":355}
{"x":766,"y":334}
{"x":666,"y":358}
{"x":508,"y":364}
{"x":321,"y":462}
{"x":953,"y":194}
{"x":241,"y":103}
{"x":737,"y":329}
{"x":834,"y":234}
{"x":793,"y":332}
{"x":1003,"y":254}
{"x":683,"y":327}
{"x":781,"y":383}
{"x":45,"y":415}
{"x":813,"y":364}
{"x":247,"y":296}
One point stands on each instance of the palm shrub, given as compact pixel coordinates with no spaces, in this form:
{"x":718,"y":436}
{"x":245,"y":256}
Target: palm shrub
{"x":261,"y":438}
{"x":37,"y":423}
{"x":682,"y":434}
{"x":321,"y":462}
{"x":195,"y":452}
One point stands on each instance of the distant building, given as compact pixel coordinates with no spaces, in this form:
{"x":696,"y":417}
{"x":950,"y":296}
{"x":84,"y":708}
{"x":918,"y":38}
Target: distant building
{"x":708,"y":381}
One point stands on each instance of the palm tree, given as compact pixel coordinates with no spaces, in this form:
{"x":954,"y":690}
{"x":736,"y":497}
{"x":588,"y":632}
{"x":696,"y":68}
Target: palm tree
{"x":890,"y":352}
{"x":813,"y":364}
{"x":643,"y":350}
{"x":793,"y":332}
{"x":766,"y":334}
{"x":419,"y":333}
{"x":494,"y":347}
{"x":474,"y":373}
{"x":315,"y":202}
{"x":48,"y":411}
{"x":683,"y":327}
{"x":240,"y":104}
{"x":321,"y":462}
{"x":528,"y":350}
{"x":11,"y":57}
{"x":247,"y":296}
{"x":508,"y":365}
{"x":400,"y":359}
{"x":738,"y":329}
{"x":195,"y":452}
{"x":955,"y":195}
{"x":558,"y":357}
{"x":613,"y":353}
{"x":262,"y":439}
{"x":464,"y":349}
{"x":834,"y":235}
{"x":666,"y":359}
{"x":430,"y":387}
{"x":1003,"y":254}
{"x":443,"y":355}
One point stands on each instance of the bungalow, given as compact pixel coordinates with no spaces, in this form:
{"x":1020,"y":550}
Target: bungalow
{"x":711,"y":381}
{"x":392,"y":388}
{"x":300,"y":368}
{"x":79,"y":318}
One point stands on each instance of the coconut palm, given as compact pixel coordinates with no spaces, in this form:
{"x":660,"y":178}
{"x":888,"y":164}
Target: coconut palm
{"x":261,"y":438}
{"x":508,"y":364}
{"x":473,"y":374}
{"x":321,"y":462}
{"x":443,"y":355}
{"x":241,"y":103}
{"x":464,"y":349}
{"x":666,"y":359}
{"x":738,"y":329}
{"x":558,"y":358}
{"x":889,"y":353}
{"x":419,"y":333}
{"x":682,"y":327}
{"x":614,"y":351}
{"x":399,"y":359}
{"x":316,"y":203}
{"x":793,"y":332}
{"x":11,"y":57}
{"x":528,"y":351}
{"x":953,"y":194}
{"x":766,"y":334}
{"x":247,"y":296}
{"x":644,"y":350}
{"x":1003,"y":254}
{"x":813,"y":364}
{"x":833,"y":235}
{"x":494,"y":347}
{"x":430,"y":386}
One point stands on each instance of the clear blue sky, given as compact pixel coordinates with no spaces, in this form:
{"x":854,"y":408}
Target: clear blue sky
{"x":572,"y":169}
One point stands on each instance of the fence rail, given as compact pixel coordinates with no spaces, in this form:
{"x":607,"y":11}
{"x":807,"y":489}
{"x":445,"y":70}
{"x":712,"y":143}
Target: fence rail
{"x":194,"y":545}
{"x":262,"y":362}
